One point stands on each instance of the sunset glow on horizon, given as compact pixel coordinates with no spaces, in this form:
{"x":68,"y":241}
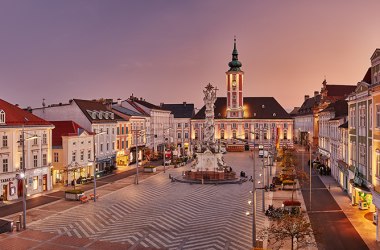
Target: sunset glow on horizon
{"x":167,"y":51}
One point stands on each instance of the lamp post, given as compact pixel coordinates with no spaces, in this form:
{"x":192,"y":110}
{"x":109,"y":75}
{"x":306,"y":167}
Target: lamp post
{"x":163,"y":134}
{"x":254,"y":195}
{"x":23,"y":175}
{"x":94,"y":136}
{"x":310,"y":172}
{"x":137,"y":157}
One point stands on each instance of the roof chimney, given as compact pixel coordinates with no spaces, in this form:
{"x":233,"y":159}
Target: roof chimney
{"x":161,"y":104}
{"x":118,"y":101}
{"x":316,"y":93}
{"x":307,"y":97}
{"x":184,"y":104}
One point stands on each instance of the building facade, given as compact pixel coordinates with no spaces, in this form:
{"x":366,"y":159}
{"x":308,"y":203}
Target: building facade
{"x":94,"y":117}
{"x":20,"y":129}
{"x":181,"y":125}
{"x":373,"y":75}
{"x":137,"y":125}
{"x":254,"y":120}
{"x":73,"y":153}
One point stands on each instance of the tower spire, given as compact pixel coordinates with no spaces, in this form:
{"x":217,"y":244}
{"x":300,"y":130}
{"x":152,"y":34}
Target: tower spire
{"x":235,"y":64}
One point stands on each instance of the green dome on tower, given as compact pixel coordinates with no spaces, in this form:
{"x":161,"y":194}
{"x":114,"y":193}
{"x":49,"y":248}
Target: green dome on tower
{"x":235,"y":64}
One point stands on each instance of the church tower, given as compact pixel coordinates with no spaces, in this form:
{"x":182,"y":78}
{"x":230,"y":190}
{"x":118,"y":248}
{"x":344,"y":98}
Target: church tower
{"x":234,"y":78}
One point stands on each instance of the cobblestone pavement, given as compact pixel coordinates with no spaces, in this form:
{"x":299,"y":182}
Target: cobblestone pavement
{"x":156,"y":214}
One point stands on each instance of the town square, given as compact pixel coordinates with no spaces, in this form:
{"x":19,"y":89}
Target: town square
{"x":189,"y":125}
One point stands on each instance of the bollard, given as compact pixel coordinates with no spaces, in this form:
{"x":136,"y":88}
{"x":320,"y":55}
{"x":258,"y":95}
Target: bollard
{"x":18,"y":226}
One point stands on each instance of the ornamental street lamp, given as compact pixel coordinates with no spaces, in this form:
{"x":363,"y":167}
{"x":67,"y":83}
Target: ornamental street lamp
{"x":95,"y":163}
{"x":22,"y":174}
{"x":164,"y":130}
{"x":309,"y":170}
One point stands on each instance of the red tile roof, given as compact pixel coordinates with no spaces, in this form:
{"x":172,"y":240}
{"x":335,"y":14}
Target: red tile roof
{"x":15,"y":116}
{"x":339,"y":90}
{"x":65,"y":128}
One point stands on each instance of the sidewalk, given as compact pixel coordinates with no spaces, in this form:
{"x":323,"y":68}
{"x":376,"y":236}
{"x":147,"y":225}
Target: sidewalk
{"x":360,"y":219}
{"x":276,"y":199}
{"x":58,"y":188}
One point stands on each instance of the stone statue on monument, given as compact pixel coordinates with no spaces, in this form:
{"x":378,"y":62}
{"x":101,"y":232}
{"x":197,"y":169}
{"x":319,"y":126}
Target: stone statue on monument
{"x":209,"y":126}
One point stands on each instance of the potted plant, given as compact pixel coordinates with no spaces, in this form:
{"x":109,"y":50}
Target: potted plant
{"x":73,"y":194}
{"x":149,"y":169}
{"x":292,"y":206}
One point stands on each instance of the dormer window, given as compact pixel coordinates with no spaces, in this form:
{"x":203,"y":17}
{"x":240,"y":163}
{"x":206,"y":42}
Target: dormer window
{"x":93,"y":115}
{"x":2,"y":116}
{"x":100,"y":114}
{"x":106,"y":115}
{"x":112,"y":116}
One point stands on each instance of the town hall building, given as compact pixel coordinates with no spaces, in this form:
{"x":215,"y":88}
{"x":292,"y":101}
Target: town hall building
{"x":240,"y":121}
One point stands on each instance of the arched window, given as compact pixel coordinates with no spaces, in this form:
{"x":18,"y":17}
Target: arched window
{"x":2,"y":116}
{"x":222,"y":134}
{"x":246,"y":135}
{"x":234,"y":134}
{"x":285,"y":134}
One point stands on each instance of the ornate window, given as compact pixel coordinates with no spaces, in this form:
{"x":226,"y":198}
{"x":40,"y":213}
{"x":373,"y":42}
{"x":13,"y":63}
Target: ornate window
{"x":5,"y":141}
{"x":44,"y":138}
{"x":234,"y":134}
{"x":378,"y":116}
{"x":44,"y":160}
{"x":55,"y":157}
{"x":2,"y":116}
{"x":222,"y":134}
{"x":35,"y":161}
{"x":5,"y":165}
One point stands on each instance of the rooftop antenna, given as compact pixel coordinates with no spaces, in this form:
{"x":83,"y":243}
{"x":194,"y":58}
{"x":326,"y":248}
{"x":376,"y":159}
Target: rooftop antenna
{"x":43,"y":105}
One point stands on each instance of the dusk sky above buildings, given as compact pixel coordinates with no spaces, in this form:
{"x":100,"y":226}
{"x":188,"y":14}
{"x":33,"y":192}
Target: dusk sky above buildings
{"x":167,"y":51}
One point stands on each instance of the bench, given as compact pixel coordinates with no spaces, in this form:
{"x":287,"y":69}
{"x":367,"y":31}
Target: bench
{"x":92,"y":196}
{"x":83,"y":199}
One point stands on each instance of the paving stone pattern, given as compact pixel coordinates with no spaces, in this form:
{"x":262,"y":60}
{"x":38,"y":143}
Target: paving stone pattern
{"x":160,"y":214}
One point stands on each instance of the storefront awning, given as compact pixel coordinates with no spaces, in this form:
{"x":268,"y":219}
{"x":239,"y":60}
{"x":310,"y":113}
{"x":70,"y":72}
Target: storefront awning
{"x":362,"y":189}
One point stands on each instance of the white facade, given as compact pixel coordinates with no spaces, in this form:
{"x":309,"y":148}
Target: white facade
{"x":37,"y":160}
{"x":102,"y":121}
{"x":303,"y":124}
{"x":74,"y":159}
{"x":182,"y":135}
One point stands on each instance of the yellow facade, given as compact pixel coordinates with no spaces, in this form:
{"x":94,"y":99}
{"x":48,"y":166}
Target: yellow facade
{"x":376,"y":139}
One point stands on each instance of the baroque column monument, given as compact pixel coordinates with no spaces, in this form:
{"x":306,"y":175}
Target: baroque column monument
{"x":209,"y":165}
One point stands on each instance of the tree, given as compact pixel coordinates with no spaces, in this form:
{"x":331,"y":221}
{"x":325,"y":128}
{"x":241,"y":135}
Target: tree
{"x":295,"y":228}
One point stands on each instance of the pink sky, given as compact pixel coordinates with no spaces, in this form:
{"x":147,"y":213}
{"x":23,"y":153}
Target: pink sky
{"x":167,"y":51}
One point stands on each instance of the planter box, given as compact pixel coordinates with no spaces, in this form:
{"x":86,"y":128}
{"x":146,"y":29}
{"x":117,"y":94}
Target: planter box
{"x":149,"y":170}
{"x":73,"y":197}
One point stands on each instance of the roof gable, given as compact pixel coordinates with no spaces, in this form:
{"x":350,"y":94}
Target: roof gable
{"x":375,"y":54}
{"x":66,"y":128}
{"x":96,"y":112}
{"x":339,"y":90}
{"x":15,"y":116}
